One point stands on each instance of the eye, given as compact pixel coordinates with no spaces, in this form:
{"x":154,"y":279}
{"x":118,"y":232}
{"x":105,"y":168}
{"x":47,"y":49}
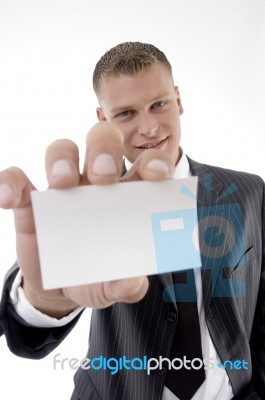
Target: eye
{"x":124,"y":114}
{"x":158,"y":104}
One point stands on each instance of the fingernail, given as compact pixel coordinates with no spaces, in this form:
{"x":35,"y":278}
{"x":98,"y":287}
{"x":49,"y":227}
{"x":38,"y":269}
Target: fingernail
{"x":6,"y":193}
{"x":104,"y":164}
{"x":157,"y":165}
{"x":61,"y":168}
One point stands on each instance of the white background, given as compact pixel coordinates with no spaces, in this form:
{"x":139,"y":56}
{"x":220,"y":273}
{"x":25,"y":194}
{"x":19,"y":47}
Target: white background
{"x":48,"y":50}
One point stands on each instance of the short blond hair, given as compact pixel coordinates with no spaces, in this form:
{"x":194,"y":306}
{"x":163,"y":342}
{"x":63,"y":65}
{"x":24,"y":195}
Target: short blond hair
{"x":128,"y":58}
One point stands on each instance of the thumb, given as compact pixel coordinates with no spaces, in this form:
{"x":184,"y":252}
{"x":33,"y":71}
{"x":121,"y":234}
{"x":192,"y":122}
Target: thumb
{"x":127,"y":290}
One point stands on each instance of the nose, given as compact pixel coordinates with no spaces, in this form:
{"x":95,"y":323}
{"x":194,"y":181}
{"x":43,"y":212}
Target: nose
{"x":148,"y":125}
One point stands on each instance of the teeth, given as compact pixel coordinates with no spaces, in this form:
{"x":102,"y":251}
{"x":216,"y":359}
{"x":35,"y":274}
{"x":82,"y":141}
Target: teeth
{"x":149,"y":146}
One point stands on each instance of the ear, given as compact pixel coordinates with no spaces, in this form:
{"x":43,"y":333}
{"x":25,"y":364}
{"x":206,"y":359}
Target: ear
{"x":179,"y":100}
{"x":100,"y":114}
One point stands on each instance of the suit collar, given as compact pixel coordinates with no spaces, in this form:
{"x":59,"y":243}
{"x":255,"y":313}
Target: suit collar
{"x":206,"y":178}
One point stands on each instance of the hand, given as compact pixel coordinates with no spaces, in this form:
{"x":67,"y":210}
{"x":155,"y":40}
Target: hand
{"x":103,"y":164}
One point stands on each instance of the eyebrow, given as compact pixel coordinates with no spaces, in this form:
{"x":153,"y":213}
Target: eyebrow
{"x":120,"y":109}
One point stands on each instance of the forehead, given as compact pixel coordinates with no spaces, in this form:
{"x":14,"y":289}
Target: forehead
{"x":114,"y":90}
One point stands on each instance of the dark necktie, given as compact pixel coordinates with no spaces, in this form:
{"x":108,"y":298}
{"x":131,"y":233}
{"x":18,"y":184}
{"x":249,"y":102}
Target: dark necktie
{"x":185,"y":382}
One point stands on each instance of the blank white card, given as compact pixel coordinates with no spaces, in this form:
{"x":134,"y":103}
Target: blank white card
{"x":98,"y":233}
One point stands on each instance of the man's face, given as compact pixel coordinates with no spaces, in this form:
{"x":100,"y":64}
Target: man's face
{"x":146,"y":108}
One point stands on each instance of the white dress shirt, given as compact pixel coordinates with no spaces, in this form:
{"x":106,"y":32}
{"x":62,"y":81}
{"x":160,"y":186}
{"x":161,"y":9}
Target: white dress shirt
{"x":216,"y":385}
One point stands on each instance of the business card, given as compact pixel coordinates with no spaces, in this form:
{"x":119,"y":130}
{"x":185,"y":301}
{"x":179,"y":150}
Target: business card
{"x":100,"y":233}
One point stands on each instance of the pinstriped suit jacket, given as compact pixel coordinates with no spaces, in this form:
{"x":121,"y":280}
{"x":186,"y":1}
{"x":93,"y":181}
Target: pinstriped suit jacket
{"x":233,"y":286}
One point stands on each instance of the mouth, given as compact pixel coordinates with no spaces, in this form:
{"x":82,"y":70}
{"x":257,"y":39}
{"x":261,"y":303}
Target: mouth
{"x":153,"y":145}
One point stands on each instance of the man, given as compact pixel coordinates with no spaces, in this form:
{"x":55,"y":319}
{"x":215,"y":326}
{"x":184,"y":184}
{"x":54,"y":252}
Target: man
{"x":139,"y":317}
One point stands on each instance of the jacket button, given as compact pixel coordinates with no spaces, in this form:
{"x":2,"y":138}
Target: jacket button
{"x":171,"y":317}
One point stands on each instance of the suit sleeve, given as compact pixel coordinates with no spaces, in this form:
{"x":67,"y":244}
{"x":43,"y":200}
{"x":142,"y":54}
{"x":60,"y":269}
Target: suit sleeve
{"x":23,"y":339}
{"x":256,"y":390}
{"x":258,"y":333}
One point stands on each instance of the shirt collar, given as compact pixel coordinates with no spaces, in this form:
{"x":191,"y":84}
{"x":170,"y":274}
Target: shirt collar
{"x":182,"y":169}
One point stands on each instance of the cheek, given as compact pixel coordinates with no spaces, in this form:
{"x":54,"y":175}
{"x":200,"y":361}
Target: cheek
{"x":167,"y":120}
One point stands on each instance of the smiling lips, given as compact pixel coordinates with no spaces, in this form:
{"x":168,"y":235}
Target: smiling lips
{"x":152,"y":145}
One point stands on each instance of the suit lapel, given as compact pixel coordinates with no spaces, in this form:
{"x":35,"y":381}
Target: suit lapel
{"x":209,"y":187}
